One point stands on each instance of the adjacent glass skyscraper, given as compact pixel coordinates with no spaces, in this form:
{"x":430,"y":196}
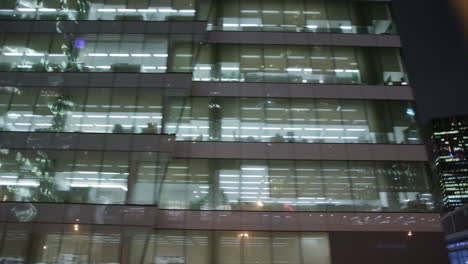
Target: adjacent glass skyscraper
{"x":209,"y":131}
{"x":450,"y":140}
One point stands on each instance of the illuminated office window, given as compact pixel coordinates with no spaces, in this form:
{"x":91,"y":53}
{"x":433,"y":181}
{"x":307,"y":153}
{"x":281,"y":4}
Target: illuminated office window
{"x":295,"y":120}
{"x":103,"y":110}
{"x":218,"y":184}
{"x":84,"y":53}
{"x":286,"y":185}
{"x":135,"y":10}
{"x":346,"y":17}
{"x":299,"y":64}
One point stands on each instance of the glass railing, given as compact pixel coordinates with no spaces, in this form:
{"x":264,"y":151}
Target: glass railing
{"x":143,"y":178}
{"x":141,"y":10}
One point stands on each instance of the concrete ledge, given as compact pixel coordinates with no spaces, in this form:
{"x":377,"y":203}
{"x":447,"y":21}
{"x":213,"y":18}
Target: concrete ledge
{"x":87,"y":141}
{"x":304,"y":38}
{"x":150,"y":216}
{"x":99,"y":26}
{"x":300,"y":151}
{"x":296,"y":90}
{"x":97,"y":80}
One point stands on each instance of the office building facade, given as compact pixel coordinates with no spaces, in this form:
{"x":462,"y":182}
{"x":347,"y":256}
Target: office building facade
{"x":456,"y":229}
{"x":450,"y":141}
{"x":198,"y":131}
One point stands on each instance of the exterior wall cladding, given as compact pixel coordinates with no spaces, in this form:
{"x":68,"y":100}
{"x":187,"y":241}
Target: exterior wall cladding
{"x":184,"y":131}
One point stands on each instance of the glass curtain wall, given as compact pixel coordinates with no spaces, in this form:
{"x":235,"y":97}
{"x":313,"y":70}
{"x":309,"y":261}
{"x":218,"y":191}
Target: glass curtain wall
{"x":125,"y":110}
{"x":287,"y":185}
{"x":212,"y":184}
{"x":84,"y":52}
{"x":170,"y":246}
{"x":333,"y":16}
{"x":94,"y":110}
{"x":296,"y":120}
{"x":213,"y":62}
{"x":137,"y":10}
{"x":299,"y":64}
{"x":95,"y":177}
{"x":41,"y":243}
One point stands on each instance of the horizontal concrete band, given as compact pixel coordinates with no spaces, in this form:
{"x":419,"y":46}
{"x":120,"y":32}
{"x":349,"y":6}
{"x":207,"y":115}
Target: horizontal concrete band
{"x":198,"y":30}
{"x":148,"y":216}
{"x":87,"y":141}
{"x":304,"y":38}
{"x":222,"y":150}
{"x":300,"y":151}
{"x":181,"y":84}
{"x":295,"y":90}
{"x":96,"y":80}
{"x":97,"y":26}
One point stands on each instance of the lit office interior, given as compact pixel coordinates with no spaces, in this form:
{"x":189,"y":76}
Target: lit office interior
{"x":100,"y":177}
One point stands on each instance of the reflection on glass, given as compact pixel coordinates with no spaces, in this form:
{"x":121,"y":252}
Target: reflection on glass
{"x":211,"y":184}
{"x":348,"y":17}
{"x":64,"y":176}
{"x":84,"y":53}
{"x":103,"y":110}
{"x":295,"y":120}
{"x":139,"y":10}
{"x":213,"y":62}
{"x":286,"y":185}
{"x":299,"y":64}
{"x":122,"y":110}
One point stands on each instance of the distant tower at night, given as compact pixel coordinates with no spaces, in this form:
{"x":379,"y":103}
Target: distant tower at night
{"x":450,"y":146}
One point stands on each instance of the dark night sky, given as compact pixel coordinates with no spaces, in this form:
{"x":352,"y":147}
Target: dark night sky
{"x":436,"y":56}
